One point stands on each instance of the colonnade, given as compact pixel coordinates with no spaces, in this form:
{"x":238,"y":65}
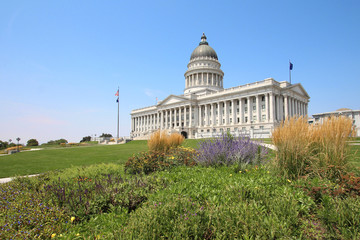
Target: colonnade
{"x":204,"y":78}
{"x":255,"y":109}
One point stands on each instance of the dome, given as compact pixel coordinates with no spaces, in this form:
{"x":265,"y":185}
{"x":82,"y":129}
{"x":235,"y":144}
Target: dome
{"x":204,"y":50}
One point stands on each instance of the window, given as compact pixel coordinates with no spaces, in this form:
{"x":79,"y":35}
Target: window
{"x":254,"y":118}
{"x":245,"y":101}
{"x":246,"y":119}
{"x":230,"y":110}
{"x":245,"y":109}
{"x":208,"y":130}
{"x":214,"y":130}
{"x":238,"y":120}
{"x":237,"y":102}
{"x":263,"y":117}
{"x":230,"y":120}
{"x":243,"y":129}
{"x":230,"y":104}
{"x":254,"y":108}
{"x":223,"y":121}
{"x":254,"y":100}
{"x":263,"y":108}
{"x":263,"y":98}
{"x":262,"y":127}
{"x":237,"y":110}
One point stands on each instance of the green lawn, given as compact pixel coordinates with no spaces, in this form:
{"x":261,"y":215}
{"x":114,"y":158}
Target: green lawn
{"x":25,"y":163}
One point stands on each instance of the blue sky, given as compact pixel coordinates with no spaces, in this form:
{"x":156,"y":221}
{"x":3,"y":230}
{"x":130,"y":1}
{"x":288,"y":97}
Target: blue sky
{"x":61,"y":62}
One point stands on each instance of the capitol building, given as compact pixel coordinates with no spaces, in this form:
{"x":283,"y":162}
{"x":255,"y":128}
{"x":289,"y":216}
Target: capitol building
{"x":206,"y":109}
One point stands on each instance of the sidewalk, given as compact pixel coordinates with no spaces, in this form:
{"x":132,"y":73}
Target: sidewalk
{"x":5,"y":180}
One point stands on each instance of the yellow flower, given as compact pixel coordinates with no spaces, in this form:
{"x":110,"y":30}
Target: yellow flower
{"x":268,"y":172}
{"x":72,"y":219}
{"x":60,"y":235}
{"x":239,"y":171}
{"x":53,"y":235}
{"x":230,"y":175}
{"x":78,"y":234}
{"x":289,"y":180}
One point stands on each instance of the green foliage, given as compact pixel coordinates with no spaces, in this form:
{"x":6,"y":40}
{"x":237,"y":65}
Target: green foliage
{"x":86,"y":139}
{"x":106,"y":135}
{"x":26,"y":215}
{"x":56,"y":142}
{"x":32,"y":142}
{"x":208,"y":203}
{"x":3,"y":145}
{"x":151,"y":161}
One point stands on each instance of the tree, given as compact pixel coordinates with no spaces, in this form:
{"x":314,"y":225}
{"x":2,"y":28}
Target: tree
{"x":57,"y":142}
{"x":3,"y":145}
{"x":106,"y":135}
{"x":86,"y":139}
{"x":32,"y":142}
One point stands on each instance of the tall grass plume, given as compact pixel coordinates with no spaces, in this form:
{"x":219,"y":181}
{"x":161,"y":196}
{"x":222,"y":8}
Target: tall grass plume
{"x":162,"y":141}
{"x":312,"y":149}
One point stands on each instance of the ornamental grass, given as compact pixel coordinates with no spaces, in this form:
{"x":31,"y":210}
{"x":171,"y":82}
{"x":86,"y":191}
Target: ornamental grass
{"x":305,"y":149}
{"x":161,"y":141}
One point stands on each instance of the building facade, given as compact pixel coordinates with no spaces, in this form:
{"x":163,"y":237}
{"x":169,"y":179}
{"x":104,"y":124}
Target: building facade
{"x":354,"y":115}
{"x":207,"y":109}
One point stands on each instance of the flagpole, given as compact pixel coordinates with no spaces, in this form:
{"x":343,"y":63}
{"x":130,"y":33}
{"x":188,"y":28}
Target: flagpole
{"x":118,"y":118}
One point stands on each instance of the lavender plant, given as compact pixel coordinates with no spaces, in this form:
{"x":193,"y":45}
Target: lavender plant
{"x":229,"y":150}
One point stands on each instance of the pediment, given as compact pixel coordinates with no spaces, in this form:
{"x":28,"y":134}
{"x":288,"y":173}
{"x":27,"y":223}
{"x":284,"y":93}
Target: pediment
{"x":172,"y":99}
{"x":298,"y":88}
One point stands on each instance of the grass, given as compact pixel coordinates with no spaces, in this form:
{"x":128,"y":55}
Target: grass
{"x":26,"y":163}
{"x":305,"y":149}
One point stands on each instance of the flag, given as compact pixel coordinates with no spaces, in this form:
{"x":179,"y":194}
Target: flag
{"x":117,"y":93}
{"x":291,"y":66}
{"x":156,"y":99}
{"x":117,"y":100}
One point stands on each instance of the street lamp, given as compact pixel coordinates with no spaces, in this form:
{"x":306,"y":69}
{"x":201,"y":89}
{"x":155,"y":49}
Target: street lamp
{"x":18,"y":139}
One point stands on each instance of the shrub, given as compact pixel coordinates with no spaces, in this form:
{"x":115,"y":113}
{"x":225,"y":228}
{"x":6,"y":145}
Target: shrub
{"x":32,"y":142}
{"x":26,"y":215}
{"x":303,"y":149}
{"x":151,"y":161}
{"x":228,"y":150}
{"x":161,"y":141}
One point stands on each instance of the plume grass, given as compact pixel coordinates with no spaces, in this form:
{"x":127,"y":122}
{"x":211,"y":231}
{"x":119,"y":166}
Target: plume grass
{"x":305,"y":149}
{"x":162,"y":141}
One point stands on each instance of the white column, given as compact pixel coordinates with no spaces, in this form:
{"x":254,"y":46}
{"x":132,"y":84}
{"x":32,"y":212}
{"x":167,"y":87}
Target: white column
{"x":177,"y":118}
{"x":267,"y":107}
{"x":233,"y":109}
{"x":226,"y":112}
{"x":185,"y":118}
{"x":219,"y":113}
{"x":200,"y":116}
{"x":278,"y":107}
{"x":258,"y":109}
{"x":241,"y":109}
{"x":213,"y":120}
{"x":171,"y":121}
{"x":271,"y":107}
{"x":190,"y":116}
{"x":281,"y":108}
{"x":249,"y":110}
{"x":206,"y":115}
{"x":286,"y":106}
{"x":196,"y":113}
